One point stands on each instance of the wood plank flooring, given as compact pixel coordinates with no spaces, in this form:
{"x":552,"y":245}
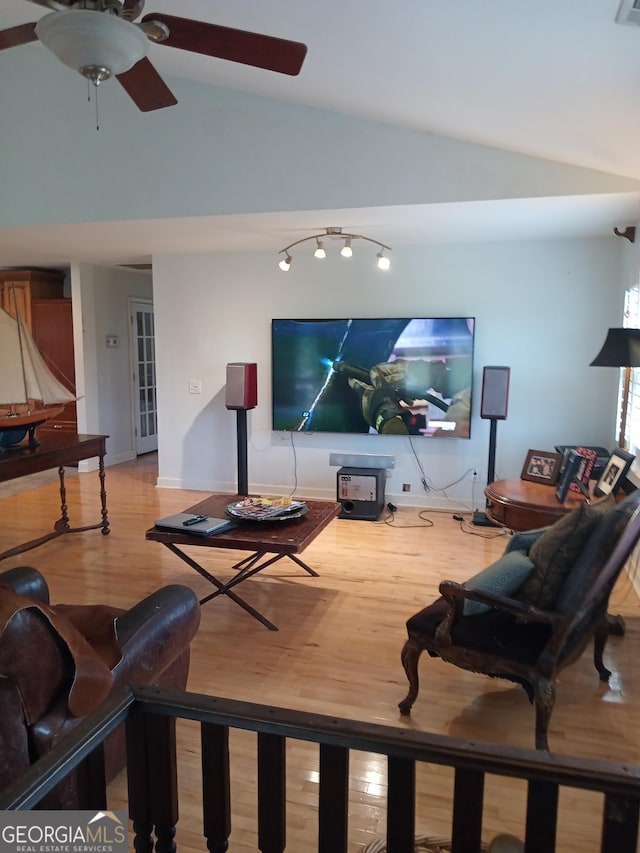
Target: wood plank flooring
{"x":337,"y":653}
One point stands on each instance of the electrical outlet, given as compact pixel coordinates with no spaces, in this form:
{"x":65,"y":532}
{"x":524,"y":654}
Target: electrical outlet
{"x":195,"y":386}
{"x":406,"y":487}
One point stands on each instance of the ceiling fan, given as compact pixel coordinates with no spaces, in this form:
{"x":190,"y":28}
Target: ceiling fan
{"x":100,"y":39}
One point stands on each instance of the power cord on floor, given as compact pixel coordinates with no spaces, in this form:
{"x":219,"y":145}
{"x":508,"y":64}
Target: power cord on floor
{"x":470,"y":529}
{"x":389,"y":519}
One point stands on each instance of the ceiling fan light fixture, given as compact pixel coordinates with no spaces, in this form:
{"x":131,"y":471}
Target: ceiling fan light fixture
{"x":96,"y":44}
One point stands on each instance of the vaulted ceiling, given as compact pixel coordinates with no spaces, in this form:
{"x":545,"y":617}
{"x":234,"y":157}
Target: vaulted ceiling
{"x":555,"y":80}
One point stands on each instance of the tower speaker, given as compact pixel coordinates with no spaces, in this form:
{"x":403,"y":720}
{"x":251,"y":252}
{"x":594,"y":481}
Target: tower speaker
{"x":241,"y":391}
{"x":495,"y":392}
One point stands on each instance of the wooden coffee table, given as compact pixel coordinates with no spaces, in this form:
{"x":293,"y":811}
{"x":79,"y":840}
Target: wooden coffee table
{"x":276,"y":538}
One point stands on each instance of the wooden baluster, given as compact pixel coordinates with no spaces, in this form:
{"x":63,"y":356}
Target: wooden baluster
{"x":334,"y":799}
{"x":271,"y":793}
{"x":620,"y":824}
{"x":401,"y":804}
{"x":92,"y":789}
{"x":216,"y":789}
{"x":142,"y":839}
{"x":542,"y":815}
{"x":138,"y":788}
{"x":164,"y":838}
{"x":468,"y":798}
{"x":152,"y":776}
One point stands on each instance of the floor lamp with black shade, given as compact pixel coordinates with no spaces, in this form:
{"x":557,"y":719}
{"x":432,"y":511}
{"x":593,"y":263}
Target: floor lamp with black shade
{"x":621,"y":349}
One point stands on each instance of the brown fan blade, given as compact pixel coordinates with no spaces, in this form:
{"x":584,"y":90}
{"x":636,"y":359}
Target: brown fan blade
{"x":274,"y":54}
{"x":18,"y":35}
{"x":146,"y":88}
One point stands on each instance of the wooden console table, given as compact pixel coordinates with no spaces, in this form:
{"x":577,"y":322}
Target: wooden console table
{"x":523,"y":505}
{"x":56,"y":450}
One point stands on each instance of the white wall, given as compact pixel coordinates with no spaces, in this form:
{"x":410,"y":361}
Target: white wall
{"x":101,"y":304}
{"x":541,"y":307}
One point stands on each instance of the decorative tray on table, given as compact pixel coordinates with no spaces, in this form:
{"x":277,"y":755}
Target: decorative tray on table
{"x":260,"y":509}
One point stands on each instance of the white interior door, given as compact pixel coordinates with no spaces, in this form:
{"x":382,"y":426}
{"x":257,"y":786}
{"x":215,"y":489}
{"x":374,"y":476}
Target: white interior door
{"x":143,"y":368}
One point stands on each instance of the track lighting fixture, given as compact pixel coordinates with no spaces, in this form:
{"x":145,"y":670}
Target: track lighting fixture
{"x":346,"y":251}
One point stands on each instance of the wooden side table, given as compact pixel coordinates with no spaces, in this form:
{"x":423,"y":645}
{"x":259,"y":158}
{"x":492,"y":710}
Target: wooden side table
{"x":523,"y":505}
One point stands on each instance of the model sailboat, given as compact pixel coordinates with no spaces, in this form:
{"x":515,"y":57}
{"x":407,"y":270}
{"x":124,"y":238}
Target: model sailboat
{"x":29,"y":392}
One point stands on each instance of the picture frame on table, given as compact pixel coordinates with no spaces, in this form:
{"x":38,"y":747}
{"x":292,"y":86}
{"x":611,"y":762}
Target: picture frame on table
{"x":541,"y":466}
{"x":580,"y":483}
{"x":572,"y":464}
{"x":614,"y":472}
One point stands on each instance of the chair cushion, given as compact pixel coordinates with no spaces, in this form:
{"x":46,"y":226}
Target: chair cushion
{"x":557,"y":549}
{"x":505,"y":576}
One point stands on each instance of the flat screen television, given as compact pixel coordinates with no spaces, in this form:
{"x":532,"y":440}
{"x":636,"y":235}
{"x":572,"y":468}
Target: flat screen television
{"x":402,"y":376}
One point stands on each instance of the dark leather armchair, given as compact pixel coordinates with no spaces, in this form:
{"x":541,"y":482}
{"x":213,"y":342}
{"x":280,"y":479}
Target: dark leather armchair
{"x":58,"y":664}
{"x":530,"y":633}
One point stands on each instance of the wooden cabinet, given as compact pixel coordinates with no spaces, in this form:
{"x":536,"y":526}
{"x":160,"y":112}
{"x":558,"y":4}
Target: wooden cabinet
{"x":52,"y":328}
{"x":18,"y":289}
{"x":38,"y":295}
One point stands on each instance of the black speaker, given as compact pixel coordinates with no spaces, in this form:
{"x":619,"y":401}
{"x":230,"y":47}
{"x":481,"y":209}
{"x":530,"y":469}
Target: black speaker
{"x":495,"y":392}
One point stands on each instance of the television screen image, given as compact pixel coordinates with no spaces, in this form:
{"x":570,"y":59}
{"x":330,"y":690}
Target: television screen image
{"x":394,"y":376}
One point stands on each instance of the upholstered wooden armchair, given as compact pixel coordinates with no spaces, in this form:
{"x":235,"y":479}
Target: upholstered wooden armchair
{"x":534,"y":611}
{"x":57,"y":664}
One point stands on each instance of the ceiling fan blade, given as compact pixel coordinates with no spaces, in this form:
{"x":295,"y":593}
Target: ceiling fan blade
{"x":146,"y":88}
{"x":17,"y":35}
{"x":274,"y":54}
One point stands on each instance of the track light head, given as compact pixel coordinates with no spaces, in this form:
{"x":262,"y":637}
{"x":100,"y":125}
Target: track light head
{"x":383,"y":261}
{"x":319,"y":252}
{"x":285,"y":263}
{"x":346,"y":251}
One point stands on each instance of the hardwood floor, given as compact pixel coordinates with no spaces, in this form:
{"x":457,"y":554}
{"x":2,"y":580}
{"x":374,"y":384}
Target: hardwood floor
{"x":337,"y":652}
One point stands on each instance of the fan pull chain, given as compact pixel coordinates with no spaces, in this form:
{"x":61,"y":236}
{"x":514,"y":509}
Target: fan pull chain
{"x":95,"y":88}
